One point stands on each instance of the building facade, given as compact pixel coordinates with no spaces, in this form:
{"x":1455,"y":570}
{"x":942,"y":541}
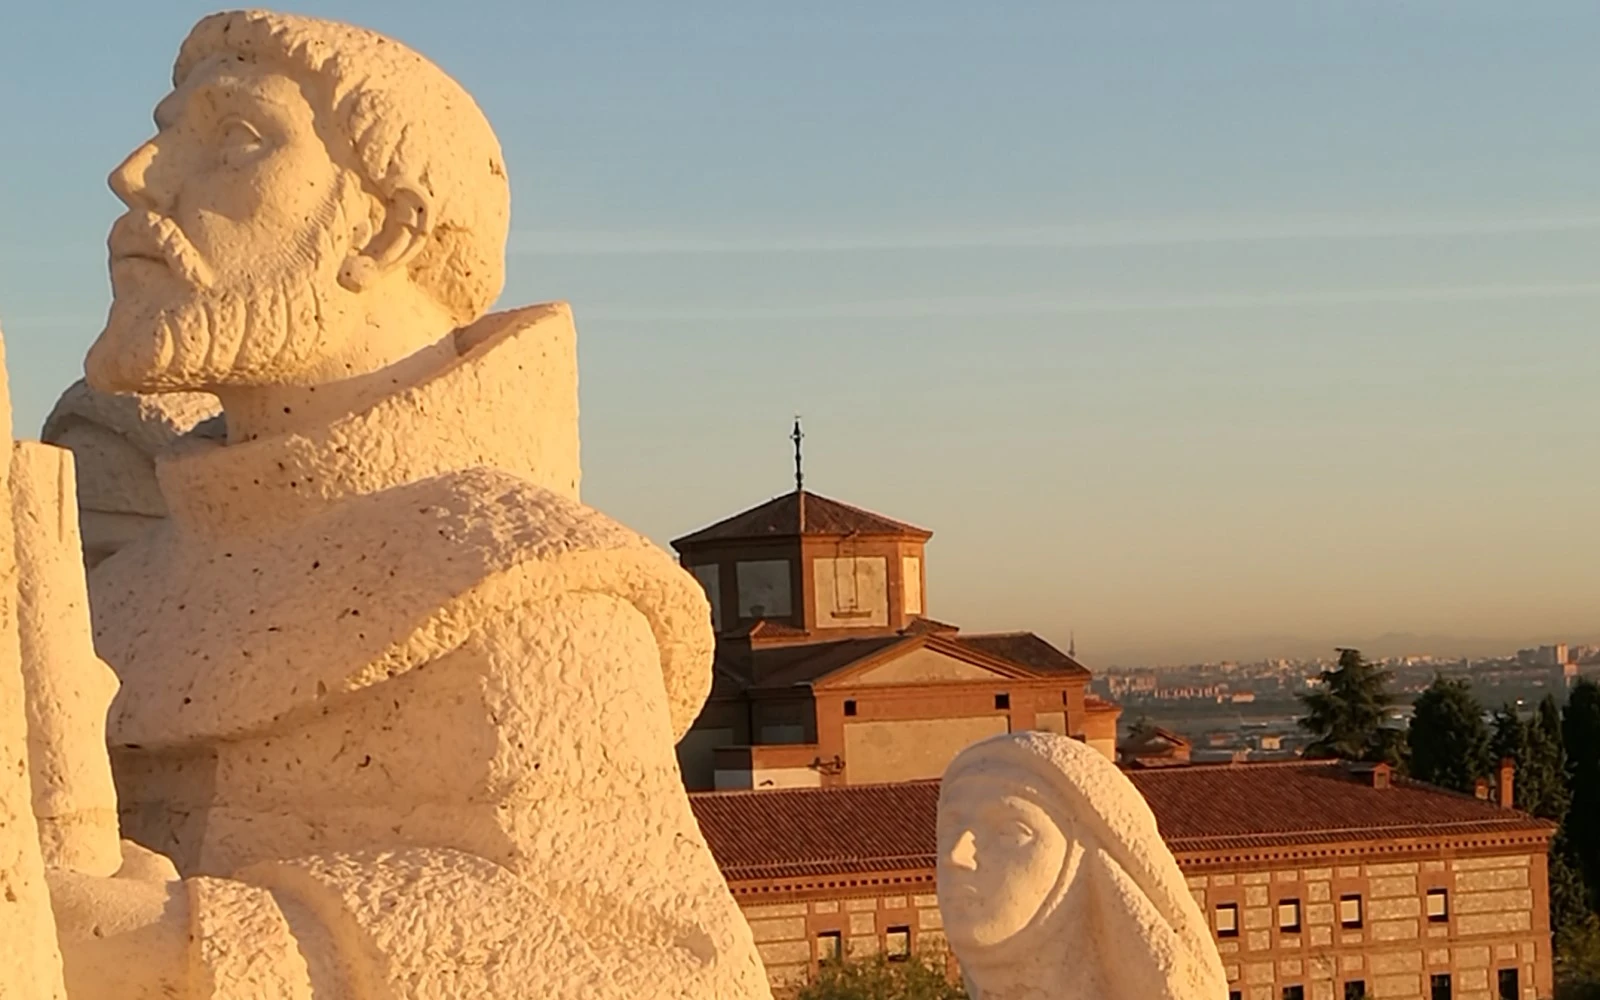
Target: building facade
{"x":1319,"y":881}
{"x":828,"y":671}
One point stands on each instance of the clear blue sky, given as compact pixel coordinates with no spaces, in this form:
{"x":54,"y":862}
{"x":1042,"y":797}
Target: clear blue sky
{"x":1180,"y":324}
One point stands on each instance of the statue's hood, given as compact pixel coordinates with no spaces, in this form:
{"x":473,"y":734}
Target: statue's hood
{"x":508,"y":402}
{"x":303,"y":568}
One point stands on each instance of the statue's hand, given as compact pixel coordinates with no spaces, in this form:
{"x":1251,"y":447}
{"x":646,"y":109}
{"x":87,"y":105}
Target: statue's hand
{"x":126,"y":936}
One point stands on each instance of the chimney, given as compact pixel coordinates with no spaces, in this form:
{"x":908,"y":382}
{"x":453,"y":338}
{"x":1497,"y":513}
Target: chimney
{"x":1380,"y":776}
{"x":1480,"y":788}
{"x":1507,"y":773}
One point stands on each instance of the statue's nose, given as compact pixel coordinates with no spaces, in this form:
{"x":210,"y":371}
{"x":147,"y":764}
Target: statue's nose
{"x":131,"y":180}
{"x":964,"y":852}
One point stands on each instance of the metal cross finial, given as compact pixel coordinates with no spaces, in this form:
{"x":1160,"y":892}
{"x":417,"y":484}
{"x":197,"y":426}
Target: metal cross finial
{"x":799,"y":472}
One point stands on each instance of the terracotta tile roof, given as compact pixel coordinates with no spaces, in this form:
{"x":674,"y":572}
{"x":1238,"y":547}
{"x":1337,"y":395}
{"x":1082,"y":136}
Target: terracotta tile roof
{"x":807,"y":664}
{"x":1026,"y":649}
{"x":815,"y":831}
{"x":930,"y":626}
{"x":793,"y":832}
{"x":780,"y":518}
{"x":762,"y":628}
{"x":1093,"y":703}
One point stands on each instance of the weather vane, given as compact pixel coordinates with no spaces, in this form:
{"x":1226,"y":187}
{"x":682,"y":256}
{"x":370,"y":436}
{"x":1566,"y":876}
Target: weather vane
{"x":798,"y":436}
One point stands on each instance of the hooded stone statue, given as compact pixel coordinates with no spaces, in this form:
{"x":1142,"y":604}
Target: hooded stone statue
{"x":399,"y":708}
{"x":1054,"y":882}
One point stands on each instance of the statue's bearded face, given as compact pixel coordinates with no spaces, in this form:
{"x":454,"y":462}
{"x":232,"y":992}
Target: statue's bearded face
{"x":1000,"y":856}
{"x":224,"y":270}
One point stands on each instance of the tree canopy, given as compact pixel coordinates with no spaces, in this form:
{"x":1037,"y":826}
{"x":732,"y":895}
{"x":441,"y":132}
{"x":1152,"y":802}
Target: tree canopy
{"x":918,"y":977}
{"x":1347,"y":715}
{"x":1447,"y":739}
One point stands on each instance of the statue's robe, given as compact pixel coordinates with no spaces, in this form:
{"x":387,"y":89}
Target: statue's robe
{"x":402,"y":710}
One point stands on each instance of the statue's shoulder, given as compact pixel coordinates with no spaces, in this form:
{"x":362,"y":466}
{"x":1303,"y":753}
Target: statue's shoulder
{"x":368,"y":589}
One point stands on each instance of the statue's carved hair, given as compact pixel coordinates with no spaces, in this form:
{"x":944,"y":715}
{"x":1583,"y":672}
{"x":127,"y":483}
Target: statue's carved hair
{"x":410,"y":127}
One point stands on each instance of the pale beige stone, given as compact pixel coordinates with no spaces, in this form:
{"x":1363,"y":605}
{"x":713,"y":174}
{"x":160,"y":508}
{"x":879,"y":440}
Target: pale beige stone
{"x":69,"y":688}
{"x":1319,"y":892}
{"x":116,"y":438}
{"x":771,"y":910}
{"x":1393,"y":868}
{"x":1494,"y":923}
{"x":435,"y":697}
{"x":894,"y":902}
{"x":1286,"y":876}
{"x":30,"y":962}
{"x":1432,"y":867}
{"x":1386,"y":963}
{"x":1256,"y":895}
{"x":1257,"y":917}
{"x":1321,"y":991}
{"x":779,"y":953}
{"x":1016,"y":909}
{"x":860,"y":905}
{"x":1321,"y":936}
{"x":863,"y":923}
{"x":1196,"y":881}
{"x":1472,"y":956}
{"x":1317,"y":874}
{"x":1492,"y":861}
{"x":1393,"y":885}
{"x":925,"y":900}
{"x":1349,"y":871}
{"x":1439,"y":956}
{"x":784,"y":929}
{"x":1256,"y":878}
{"x":1259,"y":940}
{"x":865,"y":946}
{"x":1319,"y":913}
{"x":1505,"y":951}
{"x":1223,"y":881}
{"x":1472,"y":979}
{"x":1351,"y":963}
{"x":930,"y":919}
{"x":1486,"y":881}
{"x":1394,"y":930}
{"x":1291,"y":967}
{"x":1396,"y":986}
{"x":1258,"y":972}
{"x":1491,"y":902}
{"x":1391,"y":909}
{"x":823,"y":906}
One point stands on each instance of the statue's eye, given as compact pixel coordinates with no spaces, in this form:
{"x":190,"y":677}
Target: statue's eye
{"x":239,"y":134}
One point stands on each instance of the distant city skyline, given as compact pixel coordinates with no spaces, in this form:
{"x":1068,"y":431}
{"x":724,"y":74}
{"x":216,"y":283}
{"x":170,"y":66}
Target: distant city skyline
{"x":1202,"y":331}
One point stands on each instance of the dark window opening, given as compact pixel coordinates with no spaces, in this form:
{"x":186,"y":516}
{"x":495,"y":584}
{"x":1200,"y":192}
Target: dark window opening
{"x":1438,"y":906}
{"x":830,"y":946}
{"x":1441,"y":986}
{"x":1510,"y":986}
{"x":897,"y":943}
{"x":1289,"y":916}
{"x":1355,"y":989}
{"x":850,"y":706}
{"x":1294,"y":993}
{"x":1002,"y":701}
{"x":1228,"y":920}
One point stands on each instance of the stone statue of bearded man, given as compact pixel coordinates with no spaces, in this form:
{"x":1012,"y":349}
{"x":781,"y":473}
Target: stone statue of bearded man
{"x":399,"y":709}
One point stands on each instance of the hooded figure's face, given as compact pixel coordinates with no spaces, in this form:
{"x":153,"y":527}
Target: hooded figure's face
{"x":1000,"y":857}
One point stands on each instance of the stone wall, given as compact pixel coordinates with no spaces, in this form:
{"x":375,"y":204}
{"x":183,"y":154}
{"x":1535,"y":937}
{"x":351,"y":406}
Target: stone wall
{"x":1494,"y":918}
{"x":794,"y":937}
{"x":1497,"y":918}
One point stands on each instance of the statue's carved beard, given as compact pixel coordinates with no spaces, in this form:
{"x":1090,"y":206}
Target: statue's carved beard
{"x":258,"y":329}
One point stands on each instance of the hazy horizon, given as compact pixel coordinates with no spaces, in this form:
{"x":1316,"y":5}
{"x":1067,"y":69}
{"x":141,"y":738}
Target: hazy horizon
{"x":1182,"y":328}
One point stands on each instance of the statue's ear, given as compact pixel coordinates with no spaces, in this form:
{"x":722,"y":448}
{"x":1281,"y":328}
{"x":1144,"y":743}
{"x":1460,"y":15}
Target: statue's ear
{"x":407,"y":223}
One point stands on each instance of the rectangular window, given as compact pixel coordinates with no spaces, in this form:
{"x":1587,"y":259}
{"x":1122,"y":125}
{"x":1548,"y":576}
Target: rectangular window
{"x":1294,"y":993}
{"x":897,"y":944}
{"x":1355,"y":989}
{"x":1350,"y":911}
{"x":1438,"y":905}
{"x":1440,"y":989}
{"x":1235,"y":995}
{"x":850,"y":706}
{"x":1289,"y":916}
{"x":1510,"y":988}
{"x":829,"y":946}
{"x":1002,"y":701}
{"x":1228,"y":920}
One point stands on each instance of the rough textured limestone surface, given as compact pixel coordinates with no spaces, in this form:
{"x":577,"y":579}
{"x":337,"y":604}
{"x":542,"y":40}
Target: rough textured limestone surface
{"x":115,"y":438}
{"x":399,"y":708}
{"x":30,"y":962}
{"x":1054,"y":883}
{"x":69,"y":688}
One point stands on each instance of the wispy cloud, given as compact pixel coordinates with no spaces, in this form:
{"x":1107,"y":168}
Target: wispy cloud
{"x":993,"y":306}
{"x":1108,"y":235}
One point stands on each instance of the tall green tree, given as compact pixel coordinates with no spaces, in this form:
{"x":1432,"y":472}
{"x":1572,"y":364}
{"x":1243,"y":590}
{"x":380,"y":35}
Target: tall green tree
{"x":1447,"y":738}
{"x":1541,"y":789}
{"x":1347,"y":715}
{"x":1580,"y":726}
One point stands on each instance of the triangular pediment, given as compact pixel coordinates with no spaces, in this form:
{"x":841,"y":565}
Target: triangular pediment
{"x":917,"y":663}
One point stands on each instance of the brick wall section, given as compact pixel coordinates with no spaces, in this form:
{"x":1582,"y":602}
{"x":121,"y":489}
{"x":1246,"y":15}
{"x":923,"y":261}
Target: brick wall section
{"x":789,"y":935}
{"x":1497,"y":912}
{"x":1494,"y":921}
